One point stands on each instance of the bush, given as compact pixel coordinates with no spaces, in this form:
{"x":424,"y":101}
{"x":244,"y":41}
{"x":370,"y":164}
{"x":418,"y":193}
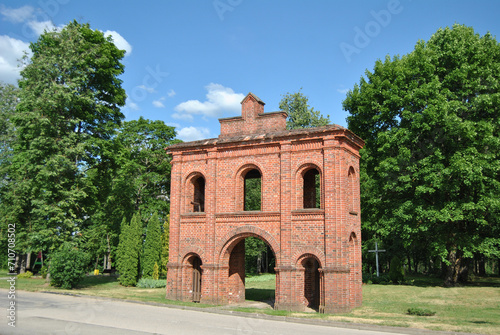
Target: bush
{"x":420,"y":311}
{"x":373,"y":279}
{"x":156,"y":273}
{"x":68,"y":266}
{"x":151,"y":283}
{"x":43,"y":272}
{"x":27,"y":274}
{"x":396,"y":271}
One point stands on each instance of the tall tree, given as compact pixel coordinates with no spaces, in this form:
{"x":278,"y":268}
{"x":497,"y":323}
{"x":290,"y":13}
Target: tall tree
{"x":300,"y":115}
{"x":165,"y":239}
{"x":144,"y":173}
{"x":152,"y":247}
{"x":69,"y":106}
{"x":129,"y":250}
{"x":8,"y":101}
{"x":431,"y":165}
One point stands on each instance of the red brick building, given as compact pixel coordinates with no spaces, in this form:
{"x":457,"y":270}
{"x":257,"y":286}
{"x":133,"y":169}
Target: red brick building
{"x":309,"y":212}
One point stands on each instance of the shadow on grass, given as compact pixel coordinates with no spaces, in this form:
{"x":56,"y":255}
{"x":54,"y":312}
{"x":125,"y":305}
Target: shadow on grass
{"x":435,"y":281}
{"x":259,"y":294}
{"x":93,"y":281}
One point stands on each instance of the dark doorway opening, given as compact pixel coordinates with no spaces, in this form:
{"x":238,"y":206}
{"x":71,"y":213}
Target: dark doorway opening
{"x":311,"y":282}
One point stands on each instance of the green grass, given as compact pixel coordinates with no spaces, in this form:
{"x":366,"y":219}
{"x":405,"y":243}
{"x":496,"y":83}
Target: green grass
{"x":474,"y":308}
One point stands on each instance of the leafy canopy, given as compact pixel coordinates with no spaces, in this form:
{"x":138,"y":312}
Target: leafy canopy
{"x":69,"y":106}
{"x":300,"y":115}
{"x":431,"y":165}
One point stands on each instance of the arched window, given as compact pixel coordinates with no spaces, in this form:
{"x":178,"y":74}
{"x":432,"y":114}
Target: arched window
{"x":311,"y":188}
{"x":196,"y":193}
{"x":252,"y":196}
{"x":351,"y":190}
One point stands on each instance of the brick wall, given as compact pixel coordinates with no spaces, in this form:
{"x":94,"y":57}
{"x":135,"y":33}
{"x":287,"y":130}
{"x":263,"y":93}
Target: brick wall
{"x":330,"y":235}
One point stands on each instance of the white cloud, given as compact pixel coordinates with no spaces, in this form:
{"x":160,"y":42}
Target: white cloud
{"x":171,"y":93}
{"x":220,"y":99}
{"x":120,"y":42}
{"x":193,"y":133}
{"x":147,"y":89}
{"x":343,"y":91}
{"x":39,"y":27}
{"x":17,"y":15}
{"x":132,"y":105}
{"x":11,"y":51}
{"x":158,"y":103}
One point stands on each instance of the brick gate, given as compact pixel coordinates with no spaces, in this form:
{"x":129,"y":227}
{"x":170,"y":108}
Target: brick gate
{"x":309,"y":212}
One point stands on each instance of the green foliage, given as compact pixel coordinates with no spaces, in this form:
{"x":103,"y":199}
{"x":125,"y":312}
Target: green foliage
{"x":420,"y":311}
{"x":69,"y":107}
{"x":129,"y":250}
{"x":396,"y":270}
{"x":430,"y":167}
{"x":299,"y":114}
{"x":68,"y":266}
{"x":253,"y":194}
{"x":43,"y":271}
{"x":165,"y":238}
{"x":254,"y":247}
{"x":27,"y":274}
{"x":156,"y":272}
{"x":151,"y":283}
{"x":152,"y":247}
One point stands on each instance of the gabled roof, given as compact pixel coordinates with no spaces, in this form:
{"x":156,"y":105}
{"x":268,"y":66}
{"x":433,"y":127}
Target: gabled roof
{"x":253,"y":96}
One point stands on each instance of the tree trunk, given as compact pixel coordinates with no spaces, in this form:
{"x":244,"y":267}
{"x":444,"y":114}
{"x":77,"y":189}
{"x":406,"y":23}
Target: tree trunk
{"x":28,"y":261}
{"x":453,"y":268}
{"x":463,"y":274}
{"x":108,"y":256}
{"x":23,"y":263}
{"x":482,"y":266}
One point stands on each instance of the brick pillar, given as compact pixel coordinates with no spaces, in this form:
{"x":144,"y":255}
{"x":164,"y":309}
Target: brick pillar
{"x":284,"y":268}
{"x":173,"y":273}
{"x":236,"y":283}
{"x":210,"y":276}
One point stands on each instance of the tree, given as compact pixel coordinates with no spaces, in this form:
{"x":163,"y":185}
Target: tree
{"x":129,"y":250}
{"x":8,"y":102}
{"x":69,"y":107}
{"x":152,"y":247}
{"x":299,"y":113}
{"x":68,"y":266}
{"x":431,"y":167}
{"x":144,"y":168}
{"x":165,"y":239}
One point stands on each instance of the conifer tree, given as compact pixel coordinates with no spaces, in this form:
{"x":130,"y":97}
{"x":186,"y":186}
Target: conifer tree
{"x":164,"y":246}
{"x":130,"y":246}
{"x":152,"y":247}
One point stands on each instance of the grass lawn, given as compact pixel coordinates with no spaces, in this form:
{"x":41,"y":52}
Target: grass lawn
{"x":474,"y":308}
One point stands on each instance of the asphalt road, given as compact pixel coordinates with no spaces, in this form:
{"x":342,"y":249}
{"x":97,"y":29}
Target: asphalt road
{"x":44,"y":313}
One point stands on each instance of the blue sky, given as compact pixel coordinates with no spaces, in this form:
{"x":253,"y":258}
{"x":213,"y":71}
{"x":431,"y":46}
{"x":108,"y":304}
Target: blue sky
{"x":189,"y":63}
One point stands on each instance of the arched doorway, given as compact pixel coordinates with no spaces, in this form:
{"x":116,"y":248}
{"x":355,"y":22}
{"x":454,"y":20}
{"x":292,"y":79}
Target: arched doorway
{"x":311,"y":282}
{"x":194,"y":277}
{"x":249,"y":257}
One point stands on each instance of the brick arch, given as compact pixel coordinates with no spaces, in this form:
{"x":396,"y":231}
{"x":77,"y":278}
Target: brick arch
{"x":192,"y":251}
{"x":305,"y":164}
{"x":191,"y":174}
{"x":252,"y":164}
{"x":236,"y":235}
{"x":303,"y":253}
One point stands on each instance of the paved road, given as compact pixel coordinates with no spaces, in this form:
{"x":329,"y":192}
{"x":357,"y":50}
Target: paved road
{"x":43,"y":313}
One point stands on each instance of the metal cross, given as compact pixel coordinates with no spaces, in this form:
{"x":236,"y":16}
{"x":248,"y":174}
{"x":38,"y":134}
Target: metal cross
{"x":376,"y":251}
